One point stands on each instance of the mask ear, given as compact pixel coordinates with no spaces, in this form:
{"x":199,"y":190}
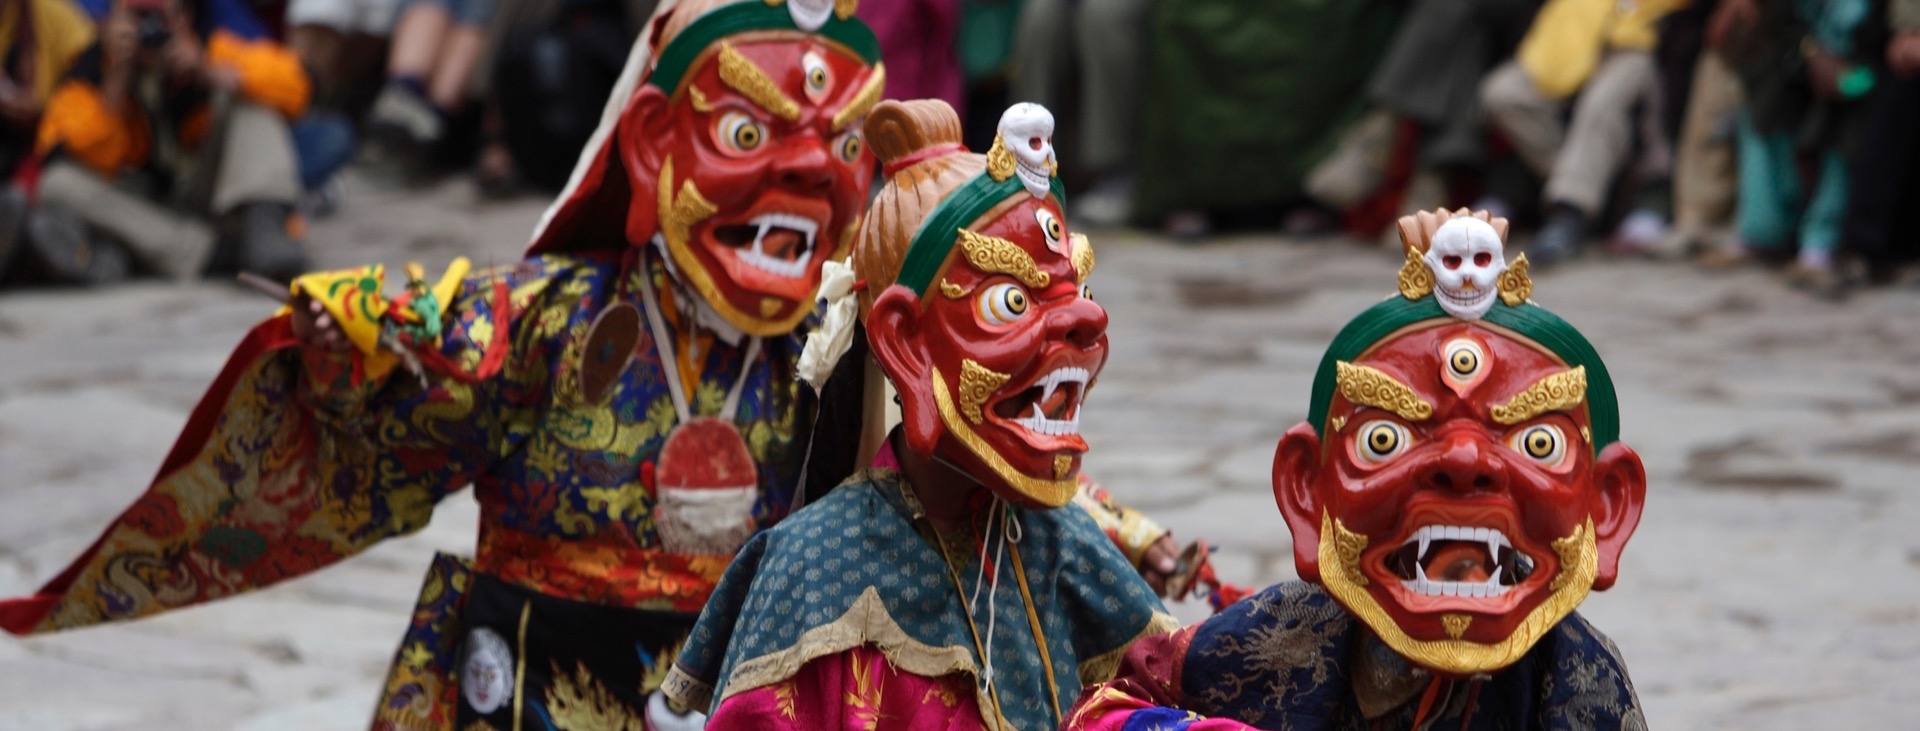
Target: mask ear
{"x":1296,"y":469}
{"x":641,"y":140}
{"x":893,"y":333}
{"x":1620,"y":491}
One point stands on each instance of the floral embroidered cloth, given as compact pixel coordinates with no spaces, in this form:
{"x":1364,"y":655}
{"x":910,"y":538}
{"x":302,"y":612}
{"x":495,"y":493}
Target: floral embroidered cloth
{"x":285,"y":468}
{"x":1291,"y":658}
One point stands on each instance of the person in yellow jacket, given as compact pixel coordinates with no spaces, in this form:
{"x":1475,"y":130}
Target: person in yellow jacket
{"x":1597,"y":56}
{"x":38,"y":39}
{"x":170,"y":128}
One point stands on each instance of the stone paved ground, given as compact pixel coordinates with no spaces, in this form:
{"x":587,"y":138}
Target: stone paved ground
{"x":1775,"y":582}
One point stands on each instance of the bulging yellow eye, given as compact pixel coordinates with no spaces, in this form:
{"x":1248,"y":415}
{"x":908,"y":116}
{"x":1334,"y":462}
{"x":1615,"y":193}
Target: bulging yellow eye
{"x":849,"y":146}
{"x":1003,"y":303}
{"x":819,"y":79}
{"x":1378,"y":441}
{"x":1543,"y":443}
{"x":740,"y":133}
{"x":1051,"y":226}
{"x":1463,"y":359}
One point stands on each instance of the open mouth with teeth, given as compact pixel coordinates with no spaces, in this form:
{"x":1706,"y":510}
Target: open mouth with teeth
{"x":1441,"y":561}
{"x":1465,"y":297}
{"x":1051,"y":406}
{"x":781,"y":244}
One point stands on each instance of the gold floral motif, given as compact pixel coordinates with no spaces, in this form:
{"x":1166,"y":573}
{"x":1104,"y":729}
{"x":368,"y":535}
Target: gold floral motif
{"x":1579,"y":565}
{"x":951,"y":290}
{"x":1347,"y":546}
{"x":1560,"y":391}
{"x":783,"y":699}
{"x":845,"y":9}
{"x":1000,"y":162}
{"x":940,"y":693}
{"x":1516,"y":284}
{"x":746,"y":77}
{"x":769,"y":306}
{"x":699,"y":99}
{"x":1369,"y":386}
{"x":1082,"y":258}
{"x":862,"y":102}
{"x":977,"y":384}
{"x":679,"y":214}
{"x":1062,"y":464}
{"x":1455,"y":624}
{"x":1416,"y":280}
{"x":868,"y":694}
{"x":1339,"y":423}
{"x":993,"y":255}
{"x":580,"y":703}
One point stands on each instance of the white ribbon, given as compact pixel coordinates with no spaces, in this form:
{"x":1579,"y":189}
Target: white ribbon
{"x":827,"y":344}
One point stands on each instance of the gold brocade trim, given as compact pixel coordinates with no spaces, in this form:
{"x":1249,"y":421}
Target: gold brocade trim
{"x":520,"y":665}
{"x":1560,"y":391}
{"x":865,"y":623}
{"x":977,"y":384}
{"x":1082,"y":257}
{"x":1578,"y":566}
{"x":1369,"y":386}
{"x":1416,"y":280}
{"x":1000,"y":161}
{"x":1516,"y":284}
{"x":1000,"y":256}
{"x":746,"y":77}
{"x":1100,"y":668}
{"x":861,"y":103}
{"x":1049,"y":493}
{"x":951,"y":290}
{"x":677,"y":217}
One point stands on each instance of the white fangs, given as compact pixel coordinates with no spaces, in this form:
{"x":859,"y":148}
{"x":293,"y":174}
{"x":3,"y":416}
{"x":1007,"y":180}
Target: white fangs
{"x":1038,"y":422}
{"x":1425,"y":537}
{"x":758,"y":257}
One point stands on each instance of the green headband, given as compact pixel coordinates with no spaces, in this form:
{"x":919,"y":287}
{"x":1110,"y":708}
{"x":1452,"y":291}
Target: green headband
{"x":680,"y":54}
{"x":937,"y":234}
{"x":1528,"y":319}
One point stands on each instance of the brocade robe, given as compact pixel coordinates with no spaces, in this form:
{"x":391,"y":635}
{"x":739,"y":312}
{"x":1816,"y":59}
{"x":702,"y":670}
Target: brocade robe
{"x":285,"y":468}
{"x":1291,"y":658}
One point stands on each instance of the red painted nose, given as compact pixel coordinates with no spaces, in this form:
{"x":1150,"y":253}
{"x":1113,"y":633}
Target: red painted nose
{"x":802,"y":167}
{"x":1467,"y":462}
{"x":1079,"y":321}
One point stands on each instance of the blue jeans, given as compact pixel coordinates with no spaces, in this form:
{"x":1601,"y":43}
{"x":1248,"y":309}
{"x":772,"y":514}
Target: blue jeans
{"x":323,"y":142}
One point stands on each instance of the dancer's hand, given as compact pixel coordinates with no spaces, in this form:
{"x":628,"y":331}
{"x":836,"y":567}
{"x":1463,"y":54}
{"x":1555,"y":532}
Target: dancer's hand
{"x":1159,"y":562}
{"x":316,"y":328}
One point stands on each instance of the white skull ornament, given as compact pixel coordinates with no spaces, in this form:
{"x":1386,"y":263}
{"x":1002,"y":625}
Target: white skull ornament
{"x":1026,"y":129}
{"x":1467,"y":259}
{"x":809,"y":15}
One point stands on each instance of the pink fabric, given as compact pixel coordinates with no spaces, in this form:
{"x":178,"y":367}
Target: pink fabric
{"x":885,"y":458}
{"x":917,"y":39}
{"x":856,"y":689}
{"x":1147,"y":683}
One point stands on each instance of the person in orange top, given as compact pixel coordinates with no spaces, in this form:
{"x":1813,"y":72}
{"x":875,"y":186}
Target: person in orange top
{"x":171,"y":131}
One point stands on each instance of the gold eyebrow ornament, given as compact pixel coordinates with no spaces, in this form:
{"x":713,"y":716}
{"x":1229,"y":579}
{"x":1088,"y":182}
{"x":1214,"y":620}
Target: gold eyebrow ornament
{"x":1000,"y":256}
{"x":1368,"y":386}
{"x":746,"y":77}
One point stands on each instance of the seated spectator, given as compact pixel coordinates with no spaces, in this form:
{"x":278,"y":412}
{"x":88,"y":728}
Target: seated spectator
{"x":1426,"y":103}
{"x":342,"y":43}
{"x":38,"y":39}
{"x":1240,"y":99}
{"x":1105,"y":40}
{"x":553,"y":65}
{"x":170,"y":137}
{"x":1886,"y":183}
{"x":1804,"y":66}
{"x":1595,"y":56}
{"x":437,"y":46}
{"x":1705,"y":174}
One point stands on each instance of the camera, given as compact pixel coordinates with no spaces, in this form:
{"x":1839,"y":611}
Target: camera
{"x":154,"y":29}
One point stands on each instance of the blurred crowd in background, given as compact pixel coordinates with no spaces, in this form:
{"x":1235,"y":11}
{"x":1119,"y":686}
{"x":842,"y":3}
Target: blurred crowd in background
{"x":186,"y":137}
